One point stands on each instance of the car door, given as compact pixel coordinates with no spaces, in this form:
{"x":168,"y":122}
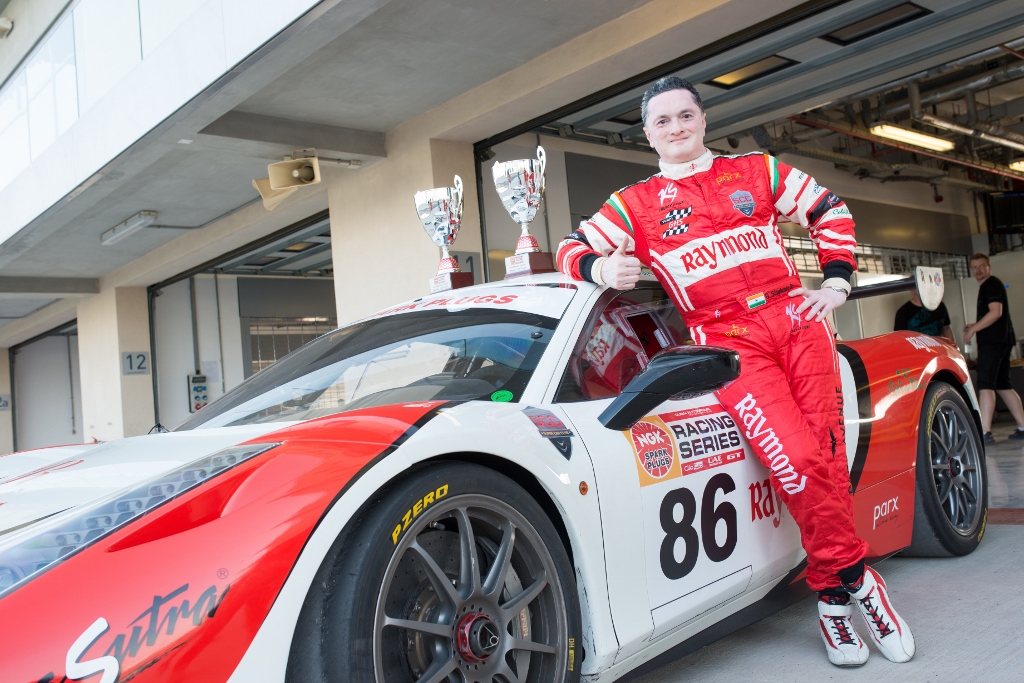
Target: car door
{"x":688,"y":516}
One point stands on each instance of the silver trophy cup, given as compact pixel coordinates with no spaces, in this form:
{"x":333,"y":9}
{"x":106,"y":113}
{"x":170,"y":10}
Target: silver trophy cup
{"x":520,"y":186}
{"x":440,"y":212}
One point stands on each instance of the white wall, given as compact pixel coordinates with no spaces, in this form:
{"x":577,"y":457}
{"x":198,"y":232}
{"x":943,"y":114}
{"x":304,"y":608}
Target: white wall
{"x":173,"y":336}
{"x":129,"y":73}
{"x":46,"y":381}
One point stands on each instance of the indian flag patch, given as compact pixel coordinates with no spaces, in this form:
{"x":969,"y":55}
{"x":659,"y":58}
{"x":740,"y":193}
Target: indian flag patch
{"x":756,"y":300}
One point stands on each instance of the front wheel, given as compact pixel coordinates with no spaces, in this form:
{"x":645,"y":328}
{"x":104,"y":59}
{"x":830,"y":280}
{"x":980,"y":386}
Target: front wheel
{"x":952,"y":485}
{"x":456,"y":575}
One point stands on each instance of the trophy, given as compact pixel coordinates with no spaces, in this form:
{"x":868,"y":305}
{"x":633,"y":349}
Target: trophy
{"x":520,"y":186}
{"x":440,"y":211}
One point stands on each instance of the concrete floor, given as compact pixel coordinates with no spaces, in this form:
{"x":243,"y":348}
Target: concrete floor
{"x":965,"y":612}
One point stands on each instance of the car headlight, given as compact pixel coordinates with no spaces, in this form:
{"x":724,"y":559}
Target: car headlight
{"x":31,"y":552}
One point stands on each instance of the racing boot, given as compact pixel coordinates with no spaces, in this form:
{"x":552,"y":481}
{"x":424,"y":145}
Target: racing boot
{"x":843,"y":645}
{"x":890,"y":633}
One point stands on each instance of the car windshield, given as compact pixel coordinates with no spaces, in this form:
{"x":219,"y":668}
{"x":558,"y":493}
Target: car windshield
{"x":438,"y":354}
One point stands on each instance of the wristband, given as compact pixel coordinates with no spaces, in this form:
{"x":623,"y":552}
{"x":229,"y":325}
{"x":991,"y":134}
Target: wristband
{"x":595,"y":271}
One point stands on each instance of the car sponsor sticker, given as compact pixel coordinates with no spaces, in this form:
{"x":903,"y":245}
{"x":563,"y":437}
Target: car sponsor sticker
{"x":551,"y":428}
{"x":548,"y":301}
{"x":657,"y":456}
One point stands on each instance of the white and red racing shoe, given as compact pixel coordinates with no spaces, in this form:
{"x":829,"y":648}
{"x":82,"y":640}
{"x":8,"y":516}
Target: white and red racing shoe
{"x":890,"y":633}
{"x":843,"y":645}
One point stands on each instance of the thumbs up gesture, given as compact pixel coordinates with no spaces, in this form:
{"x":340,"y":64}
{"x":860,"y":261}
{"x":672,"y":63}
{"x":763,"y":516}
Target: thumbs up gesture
{"x":619,"y":270}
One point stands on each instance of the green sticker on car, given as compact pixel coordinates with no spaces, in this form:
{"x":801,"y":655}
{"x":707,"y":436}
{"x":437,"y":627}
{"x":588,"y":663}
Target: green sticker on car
{"x":501,"y":396}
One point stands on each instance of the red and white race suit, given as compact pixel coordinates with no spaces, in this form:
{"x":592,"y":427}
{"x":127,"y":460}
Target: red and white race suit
{"x":708,"y":229}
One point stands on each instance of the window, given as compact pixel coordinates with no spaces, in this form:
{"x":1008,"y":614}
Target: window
{"x":758,"y":69}
{"x":625,"y":331}
{"x":426,"y":355}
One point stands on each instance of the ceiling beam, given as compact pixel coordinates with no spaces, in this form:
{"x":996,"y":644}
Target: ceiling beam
{"x":57,"y":287}
{"x":297,"y":134}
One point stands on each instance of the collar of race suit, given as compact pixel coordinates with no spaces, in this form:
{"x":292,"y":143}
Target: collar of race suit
{"x":688,"y":168}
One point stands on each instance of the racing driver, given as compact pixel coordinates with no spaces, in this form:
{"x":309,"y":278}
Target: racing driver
{"x":707,"y":227}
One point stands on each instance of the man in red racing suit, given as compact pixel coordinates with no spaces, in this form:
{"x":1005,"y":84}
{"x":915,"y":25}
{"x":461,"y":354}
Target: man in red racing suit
{"x":708,"y":228}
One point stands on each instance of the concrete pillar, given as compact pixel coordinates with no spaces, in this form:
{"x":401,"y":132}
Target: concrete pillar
{"x":114,"y":405}
{"x":6,"y":412}
{"x":382,"y":255}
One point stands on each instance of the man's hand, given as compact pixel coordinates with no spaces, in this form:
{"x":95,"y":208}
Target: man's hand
{"x":818,"y":302}
{"x":968,"y":334}
{"x":620,"y":271}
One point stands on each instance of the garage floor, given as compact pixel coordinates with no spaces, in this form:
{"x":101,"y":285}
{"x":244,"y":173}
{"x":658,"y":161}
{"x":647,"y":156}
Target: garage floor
{"x":963,"y":611}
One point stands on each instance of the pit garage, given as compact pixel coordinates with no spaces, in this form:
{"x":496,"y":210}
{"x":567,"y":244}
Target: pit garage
{"x":143,"y":274}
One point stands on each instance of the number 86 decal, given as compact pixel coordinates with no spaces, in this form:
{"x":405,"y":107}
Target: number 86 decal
{"x":683,"y":529}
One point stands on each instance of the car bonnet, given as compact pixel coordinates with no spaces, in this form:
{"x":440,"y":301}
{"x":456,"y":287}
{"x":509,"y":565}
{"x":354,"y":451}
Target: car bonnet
{"x":37,"y":484}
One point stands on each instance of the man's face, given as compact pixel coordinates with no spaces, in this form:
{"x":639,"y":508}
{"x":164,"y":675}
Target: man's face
{"x":980,"y":269}
{"x":675,"y":126}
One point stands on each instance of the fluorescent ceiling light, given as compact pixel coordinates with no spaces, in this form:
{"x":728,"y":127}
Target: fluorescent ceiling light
{"x":141,"y":220}
{"x":1018,"y":166}
{"x":768,"y":65}
{"x":912,"y":137}
{"x":875,"y":24}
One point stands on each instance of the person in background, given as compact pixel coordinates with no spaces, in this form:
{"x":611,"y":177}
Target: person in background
{"x":916,"y":318}
{"x":996,"y":339}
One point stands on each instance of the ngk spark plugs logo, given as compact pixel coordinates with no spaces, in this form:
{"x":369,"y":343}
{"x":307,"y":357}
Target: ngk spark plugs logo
{"x":657,"y":457}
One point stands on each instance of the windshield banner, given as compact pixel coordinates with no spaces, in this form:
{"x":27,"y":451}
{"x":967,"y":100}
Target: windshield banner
{"x":543,"y":300}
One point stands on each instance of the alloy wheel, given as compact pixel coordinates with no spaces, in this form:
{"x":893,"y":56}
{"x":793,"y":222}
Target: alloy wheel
{"x":469,"y":597}
{"x":955,"y":467}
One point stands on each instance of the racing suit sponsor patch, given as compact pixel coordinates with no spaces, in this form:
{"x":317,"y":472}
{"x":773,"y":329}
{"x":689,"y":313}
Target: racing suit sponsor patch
{"x":765,"y":437}
{"x":743,"y":202}
{"x":673,"y":221}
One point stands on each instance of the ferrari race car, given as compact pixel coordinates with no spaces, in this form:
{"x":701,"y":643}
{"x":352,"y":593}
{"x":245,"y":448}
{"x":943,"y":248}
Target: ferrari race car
{"x":521,"y":481}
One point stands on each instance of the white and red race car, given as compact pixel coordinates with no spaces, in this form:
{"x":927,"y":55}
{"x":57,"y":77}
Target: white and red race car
{"x":432,"y":494}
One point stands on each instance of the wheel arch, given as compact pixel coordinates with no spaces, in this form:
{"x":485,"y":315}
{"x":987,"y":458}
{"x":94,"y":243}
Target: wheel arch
{"x":948,"y":377}
{"x":304,"y":653}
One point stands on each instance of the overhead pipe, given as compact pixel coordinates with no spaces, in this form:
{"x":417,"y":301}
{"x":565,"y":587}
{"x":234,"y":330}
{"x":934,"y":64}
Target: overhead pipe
{"x":958,"y":90}
{"x":864,"y":134}
{"x":940,"y":177}
{"x":980,"y":131}
{"x":969,"y":60}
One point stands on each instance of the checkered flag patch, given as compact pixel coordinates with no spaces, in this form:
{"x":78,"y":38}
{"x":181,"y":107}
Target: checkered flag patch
{"x":675,"y":231}
{"x":676,"y":214}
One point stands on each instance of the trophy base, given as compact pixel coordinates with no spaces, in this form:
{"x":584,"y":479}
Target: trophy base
{"x":442,"y":282}
{"x":529,"y":264}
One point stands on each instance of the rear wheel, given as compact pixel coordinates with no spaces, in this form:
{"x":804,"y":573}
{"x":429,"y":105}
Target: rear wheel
{"x":456,"y":575}
{"x":952,"y":485}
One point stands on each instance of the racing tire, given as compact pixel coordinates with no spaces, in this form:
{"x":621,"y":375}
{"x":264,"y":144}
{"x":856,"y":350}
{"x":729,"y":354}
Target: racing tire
{"x":454,"y":574}
{"x":951,"y":501}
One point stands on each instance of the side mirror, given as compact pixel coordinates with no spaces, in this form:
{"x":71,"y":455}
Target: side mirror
{"x":679,"y":372}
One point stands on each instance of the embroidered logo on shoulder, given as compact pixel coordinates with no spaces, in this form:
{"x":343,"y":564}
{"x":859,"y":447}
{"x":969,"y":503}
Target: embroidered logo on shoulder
{"x":668,"y":193}
{"x":744,"y":202}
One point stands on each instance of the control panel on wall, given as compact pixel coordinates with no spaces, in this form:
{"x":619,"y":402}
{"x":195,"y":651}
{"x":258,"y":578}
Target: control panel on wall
{"x":197,"y":392}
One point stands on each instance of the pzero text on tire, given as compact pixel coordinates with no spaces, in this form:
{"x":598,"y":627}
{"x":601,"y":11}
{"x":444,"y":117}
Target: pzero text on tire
{"x":951,"y":501}
{"x":455,"y":574}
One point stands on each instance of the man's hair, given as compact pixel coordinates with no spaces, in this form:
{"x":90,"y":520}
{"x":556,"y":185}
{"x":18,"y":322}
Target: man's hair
{"x":981,"y":257}
{"x":664,"y":85}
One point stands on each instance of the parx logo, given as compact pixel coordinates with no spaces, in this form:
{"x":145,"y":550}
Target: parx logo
{"x":668,"y":194}
{"x":884,"y":512}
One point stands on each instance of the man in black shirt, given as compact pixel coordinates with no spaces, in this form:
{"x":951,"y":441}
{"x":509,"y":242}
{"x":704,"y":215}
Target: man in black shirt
{"x":996,"y":339}
{"x":916,"y":318}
